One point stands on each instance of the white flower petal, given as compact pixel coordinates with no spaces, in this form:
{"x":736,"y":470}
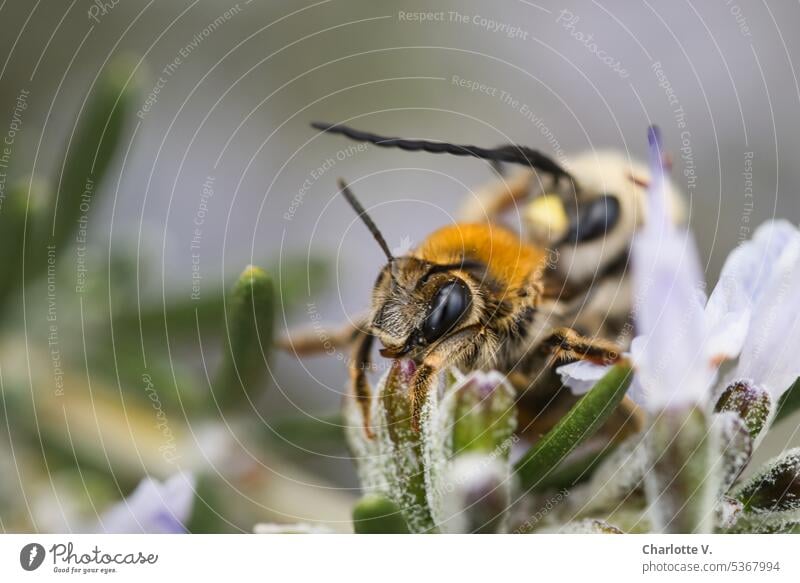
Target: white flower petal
{"x":746,"y":271}
{"x":580,"y":376}
{"x":769,"y":356}
{"x":153,"y":508}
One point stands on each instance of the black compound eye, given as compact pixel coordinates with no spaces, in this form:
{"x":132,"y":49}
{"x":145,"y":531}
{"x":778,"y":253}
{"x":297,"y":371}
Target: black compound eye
{"x":448,"y":307}
{"x":594,"y":219}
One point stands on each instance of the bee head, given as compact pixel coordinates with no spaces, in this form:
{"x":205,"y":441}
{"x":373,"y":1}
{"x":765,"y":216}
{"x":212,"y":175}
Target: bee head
{"x":414,"y":302}
{"x":417,"y":303}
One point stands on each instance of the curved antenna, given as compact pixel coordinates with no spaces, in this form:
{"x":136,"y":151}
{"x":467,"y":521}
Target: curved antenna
{"x":509,"y":153}
{"x":362,"y":214}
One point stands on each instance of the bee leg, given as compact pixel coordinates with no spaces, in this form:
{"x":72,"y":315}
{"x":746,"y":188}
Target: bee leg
{"x":319,"y":340}
{"x":453,"y":350}
{"x":358,"y":366}
{"x":485,"y":204}
{"x":566,"y":345}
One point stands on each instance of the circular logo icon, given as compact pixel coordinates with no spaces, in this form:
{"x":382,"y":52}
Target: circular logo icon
{"x":31,"y":556}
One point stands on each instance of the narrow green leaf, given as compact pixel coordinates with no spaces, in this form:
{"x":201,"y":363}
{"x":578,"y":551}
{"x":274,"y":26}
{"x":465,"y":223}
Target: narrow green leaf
{"x":576,"y":470}
{"x":90,"y":150}
{"x":583,"y":420}
{"x":775,"y":487}
{"x":250,"y":323}
{"x":785,"y":522}
{"x":181,"y":314}
{"x":789,"y":402}
{"x":376,"y":514}
{"x":23,"y":196}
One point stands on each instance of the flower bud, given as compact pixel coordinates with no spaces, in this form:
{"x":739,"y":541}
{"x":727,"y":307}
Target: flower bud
{"x":251,"y":315}
{"x":475,"y":419}
{"x":484,"y":417}
{"x":751,"y":402}
{"x":477,"y":494}
{"x":376,"y":514}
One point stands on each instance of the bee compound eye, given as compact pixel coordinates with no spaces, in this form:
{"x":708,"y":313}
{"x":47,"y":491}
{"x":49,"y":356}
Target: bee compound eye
{"x":594,"y":219}
{"x":449,"y":305}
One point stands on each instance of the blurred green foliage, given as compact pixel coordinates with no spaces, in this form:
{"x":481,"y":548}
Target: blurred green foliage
{"x":96,"y":389}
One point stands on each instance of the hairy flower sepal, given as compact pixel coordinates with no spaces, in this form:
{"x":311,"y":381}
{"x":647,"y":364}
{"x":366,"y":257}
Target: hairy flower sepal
{"x":771,"y":497}
{"x":776,"y":487}
{"x":390,"y":460}
{"x":735,"y":447}
{"x":452,"y":475}
{"x":467,"y":439}
{"x":682,"y":482}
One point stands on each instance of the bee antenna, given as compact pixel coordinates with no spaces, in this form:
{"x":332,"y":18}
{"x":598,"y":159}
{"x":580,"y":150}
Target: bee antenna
{"x":509,"y":153}
{"x":362,"y":214}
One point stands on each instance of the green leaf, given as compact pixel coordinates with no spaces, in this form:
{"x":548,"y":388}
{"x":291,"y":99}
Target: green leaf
{"x":250,"y":327}
{"x":22,"y":202}
{"x":775,"y":487}
{"x":376,"y":514}
{"x":576,"y":470}
{"x":91,"y":148}
{"x":308,"y":434}
{"x":181,"y":314}
{"x":206,"y":517}
{"x":766,"y":523}
{"x":583,"y":420}
{"x":789,"y":402}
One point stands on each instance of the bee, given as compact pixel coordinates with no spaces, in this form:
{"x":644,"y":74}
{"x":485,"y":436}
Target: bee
{"x":474,"y":294}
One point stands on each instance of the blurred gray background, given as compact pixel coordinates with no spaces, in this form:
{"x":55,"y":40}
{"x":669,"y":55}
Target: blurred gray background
{"x":250,"y":76}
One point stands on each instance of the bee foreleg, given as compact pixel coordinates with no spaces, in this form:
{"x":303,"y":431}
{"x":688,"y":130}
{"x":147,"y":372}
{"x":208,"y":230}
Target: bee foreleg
{"x":318,"y":340}
{"x":358,"y":366}
{"x":566,"y":345}
{"x":453,"y":350}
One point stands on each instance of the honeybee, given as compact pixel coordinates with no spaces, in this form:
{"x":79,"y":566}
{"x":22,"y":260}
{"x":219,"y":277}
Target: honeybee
{"x":476,"y":295}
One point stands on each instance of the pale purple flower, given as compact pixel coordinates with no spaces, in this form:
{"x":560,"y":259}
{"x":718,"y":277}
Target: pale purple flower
{"x":769,"y":353}
{"x":667,"y":282}
{"x":753,"y":312}
{"x":152,"y":508}
{"x":744,"y":290}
